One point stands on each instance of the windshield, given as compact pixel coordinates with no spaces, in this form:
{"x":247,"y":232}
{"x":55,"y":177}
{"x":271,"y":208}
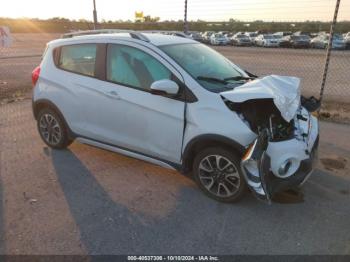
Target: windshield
{"x":338,"y":37}
{"x":268,"y":36}
{"x":301,"y":37}
{"x":204,"y":64}
{"x":242,"y":36}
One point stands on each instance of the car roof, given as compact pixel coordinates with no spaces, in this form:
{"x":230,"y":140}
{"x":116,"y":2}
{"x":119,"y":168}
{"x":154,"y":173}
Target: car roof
{"x":157,"y":39}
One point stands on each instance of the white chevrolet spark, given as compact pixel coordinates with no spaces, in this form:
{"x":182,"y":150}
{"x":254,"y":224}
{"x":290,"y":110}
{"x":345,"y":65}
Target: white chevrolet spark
{"x":177,"y":103}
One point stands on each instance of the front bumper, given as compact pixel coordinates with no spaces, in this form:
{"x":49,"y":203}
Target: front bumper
{"x":338,"y":46}
{"x":271,"y":44}
{"x":301,"y":44}
{"x":272,"y":167}
{"x":239,"y":43}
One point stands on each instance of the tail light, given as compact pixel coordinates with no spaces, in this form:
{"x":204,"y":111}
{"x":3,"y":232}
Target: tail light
{"x":35,"y":75}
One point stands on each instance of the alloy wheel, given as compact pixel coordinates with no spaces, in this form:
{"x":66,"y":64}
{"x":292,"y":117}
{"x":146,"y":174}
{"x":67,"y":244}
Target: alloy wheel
{"x":219,"y":175}
{"x":50,"y":129}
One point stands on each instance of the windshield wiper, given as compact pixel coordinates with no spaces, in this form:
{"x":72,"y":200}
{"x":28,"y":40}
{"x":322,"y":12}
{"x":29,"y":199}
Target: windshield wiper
{"x":224,"y":81}
{"x":212,"y":79}
{"x":237,"y":78}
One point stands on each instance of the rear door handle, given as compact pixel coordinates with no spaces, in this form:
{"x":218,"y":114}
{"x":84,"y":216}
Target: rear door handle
{"x":112,"y":94}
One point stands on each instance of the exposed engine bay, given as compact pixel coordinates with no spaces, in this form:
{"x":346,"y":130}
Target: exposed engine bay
{"x":262,"y":114}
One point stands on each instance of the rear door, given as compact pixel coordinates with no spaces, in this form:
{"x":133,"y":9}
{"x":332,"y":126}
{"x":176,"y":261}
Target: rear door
{"x":120,"y":110}
{"x":75,"y":73}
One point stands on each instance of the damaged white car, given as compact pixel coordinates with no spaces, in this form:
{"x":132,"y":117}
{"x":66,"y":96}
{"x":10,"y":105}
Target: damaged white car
{"x":177,"y":103}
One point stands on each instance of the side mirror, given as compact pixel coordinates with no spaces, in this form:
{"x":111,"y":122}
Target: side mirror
{"x":164,"y":87}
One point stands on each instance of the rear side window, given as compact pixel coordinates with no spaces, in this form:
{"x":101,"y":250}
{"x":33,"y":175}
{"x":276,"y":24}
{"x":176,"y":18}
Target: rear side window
{"x":132,"y":67}
{"x":78,"y":59}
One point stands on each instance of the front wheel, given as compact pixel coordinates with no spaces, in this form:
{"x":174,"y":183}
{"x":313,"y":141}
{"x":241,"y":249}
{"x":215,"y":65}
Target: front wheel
{"x":217,"y":173}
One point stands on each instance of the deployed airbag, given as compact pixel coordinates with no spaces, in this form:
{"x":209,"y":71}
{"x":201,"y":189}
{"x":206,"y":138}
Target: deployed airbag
{"x":284,"y":90}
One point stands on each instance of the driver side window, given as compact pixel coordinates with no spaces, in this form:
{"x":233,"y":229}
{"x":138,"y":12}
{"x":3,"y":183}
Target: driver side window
{"x":132,"y":67}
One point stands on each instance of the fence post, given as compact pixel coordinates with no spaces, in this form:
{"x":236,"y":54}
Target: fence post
{"x":185,"y":19}
{"x":329,"y":49}
{"x":95,"y":16}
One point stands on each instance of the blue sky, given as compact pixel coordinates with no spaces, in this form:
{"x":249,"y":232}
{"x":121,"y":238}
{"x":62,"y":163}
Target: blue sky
{"x":269,"y":10}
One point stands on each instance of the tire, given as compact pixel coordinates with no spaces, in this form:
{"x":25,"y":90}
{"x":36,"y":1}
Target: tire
{"x":52,"y":129}
{"x":225,"y":182}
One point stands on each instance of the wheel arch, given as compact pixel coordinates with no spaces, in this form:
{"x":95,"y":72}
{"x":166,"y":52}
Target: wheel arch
{"x":45,"y":103}
{"x":201,"y":142}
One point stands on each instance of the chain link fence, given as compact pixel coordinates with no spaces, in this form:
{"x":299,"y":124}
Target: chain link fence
{"x":17,"y":61}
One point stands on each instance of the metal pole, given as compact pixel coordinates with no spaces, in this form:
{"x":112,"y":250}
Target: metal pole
{"x":185,"y":19}
{"x":329,"y":48}
{"x":95,"y":15}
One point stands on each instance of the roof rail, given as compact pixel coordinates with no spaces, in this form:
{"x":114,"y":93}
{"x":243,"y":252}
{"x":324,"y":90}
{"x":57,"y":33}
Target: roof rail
{"x":133,"y":34}
{"x":176,"y":33}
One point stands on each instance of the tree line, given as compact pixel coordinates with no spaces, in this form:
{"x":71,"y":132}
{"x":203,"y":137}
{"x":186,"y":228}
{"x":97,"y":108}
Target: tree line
{"x":63,"y":25}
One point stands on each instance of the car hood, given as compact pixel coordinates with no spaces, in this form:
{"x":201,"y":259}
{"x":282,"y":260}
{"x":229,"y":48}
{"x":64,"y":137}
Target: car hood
{"x":284,"y":90}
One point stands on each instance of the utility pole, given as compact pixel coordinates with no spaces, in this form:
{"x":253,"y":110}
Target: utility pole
{"x":95,"y":16}
{"x":185,"y":19}
{"x":329,"y":49}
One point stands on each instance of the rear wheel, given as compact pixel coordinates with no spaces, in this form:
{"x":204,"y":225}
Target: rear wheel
{"x":52,"y":129}
{"x":217,"y":173}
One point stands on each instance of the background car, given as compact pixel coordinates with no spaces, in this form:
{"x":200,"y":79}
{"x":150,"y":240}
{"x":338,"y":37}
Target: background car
{"x":206,"y":36}
{"x":181,"y":34}
{"x":279,"y":35}
{"x":299,"y":33}
{"x":295,"y":41}
{"x":321,"y":41}
{"x":229,"y":35}
{"x":267,"y":40}
{"x":347,"y":40}
{"x":282,"y":34}
{"x":218,"y":39}
{"x":241,"y":40}
{"x":278,"y":38}
{"x":252,"y":36}
{"x":196,"y":36}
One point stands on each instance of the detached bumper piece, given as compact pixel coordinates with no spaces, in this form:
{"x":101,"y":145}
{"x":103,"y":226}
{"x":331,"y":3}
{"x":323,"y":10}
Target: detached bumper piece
{"x":257,"y":167}
{"x":251,"y":166}
{"x":275,"y":184}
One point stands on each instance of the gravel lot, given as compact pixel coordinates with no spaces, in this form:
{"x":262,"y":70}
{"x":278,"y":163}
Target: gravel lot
{"x":307,"y":64}
{"x":88,"y":201}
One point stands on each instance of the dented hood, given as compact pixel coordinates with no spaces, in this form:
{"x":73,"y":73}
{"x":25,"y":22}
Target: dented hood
{"x":284,"y":90}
